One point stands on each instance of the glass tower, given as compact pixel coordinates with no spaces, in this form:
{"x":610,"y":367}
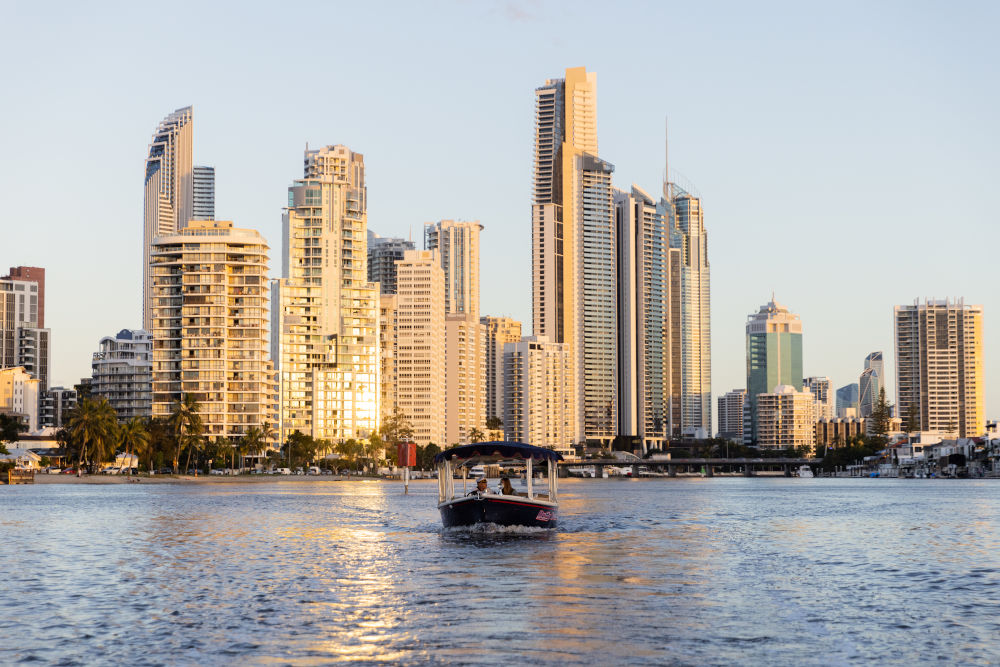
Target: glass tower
{"x":774,"y":355}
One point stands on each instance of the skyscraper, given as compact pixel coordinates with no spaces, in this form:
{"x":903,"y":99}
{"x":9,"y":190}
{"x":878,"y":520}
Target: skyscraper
{"x":847,"y":401}
{"x":564,"y":197}
{"x":457,"y":245}
{"x":420,"y":345}
{"x":499,"y":332}
{"x":539,"y":407}
{"x":644,"y":361}
{"x":34,"y":274}
{"x":774,"y":356}
{"x":870,"y":384}
{"x":685,"y":221}
{"x":209,"y":332}
{"x":169,"y":191}
{"x":23,"y":342}
{"x":820,"y":388}
{"x":939,"y":366}
{"x":732,"y":406}
{"x":325,"y":322}
{"x":203,"y":195}
{"x":383,"y":253}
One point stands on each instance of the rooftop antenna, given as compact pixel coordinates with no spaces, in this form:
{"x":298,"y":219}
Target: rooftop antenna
{"x":666,"y":157}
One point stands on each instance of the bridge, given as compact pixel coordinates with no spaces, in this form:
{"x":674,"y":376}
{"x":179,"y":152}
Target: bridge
{"x":747,"y":466}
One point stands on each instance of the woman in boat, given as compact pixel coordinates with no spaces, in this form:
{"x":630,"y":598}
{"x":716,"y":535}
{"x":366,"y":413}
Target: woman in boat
{"x":505,"y":488}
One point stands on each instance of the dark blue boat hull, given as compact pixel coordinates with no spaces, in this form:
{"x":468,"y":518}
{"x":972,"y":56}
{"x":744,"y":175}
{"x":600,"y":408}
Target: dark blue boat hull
{"x":501,"y":510}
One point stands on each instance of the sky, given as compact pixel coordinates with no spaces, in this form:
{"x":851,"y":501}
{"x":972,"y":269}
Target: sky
{"x":846,"y":153}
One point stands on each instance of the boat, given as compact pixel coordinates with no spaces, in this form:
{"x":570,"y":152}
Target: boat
{"x":805,"y":471}
{"x":531,"y":508}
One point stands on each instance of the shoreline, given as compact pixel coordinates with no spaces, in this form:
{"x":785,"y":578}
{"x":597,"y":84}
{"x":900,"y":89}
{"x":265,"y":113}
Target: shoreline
{"x":191,"y":479}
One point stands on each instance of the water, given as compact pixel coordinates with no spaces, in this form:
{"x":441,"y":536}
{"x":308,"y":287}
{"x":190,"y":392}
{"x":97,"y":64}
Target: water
{"x":698,"y":571}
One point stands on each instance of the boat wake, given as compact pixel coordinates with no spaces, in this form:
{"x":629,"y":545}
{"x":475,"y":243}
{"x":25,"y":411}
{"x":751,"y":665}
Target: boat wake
{"x":496,"y":530}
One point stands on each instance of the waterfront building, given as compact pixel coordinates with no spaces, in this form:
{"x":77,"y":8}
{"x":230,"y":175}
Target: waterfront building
{"x":573,"y":233}
{"x":498,"y":332}
{"x":457,"y":246}
{"x":847,"y":400}
{"x":387,"y":354}
{"x":122,"y":372}
{"x":786,"y":418}
{"x":644,"y":344}
{"x":870,"y":384}
{"x":820,"y":388}
{"x":209,"y":308}
{"x":420,"y":345}
{"x":383,"y":253}
{"x":774,"y":356}
{"x":939,"y":366}
{"x":203,"y":193}
{"x":835,"y":432}
{"x":55,"y":406}
{"x":732,"y":406}
{"x":539,"y":406}
{"x":19,"y":396}
{"x":325,"y":321}
{"x":692,"y":309}
{"x":169,"y":191}
{"x":23,"y":341}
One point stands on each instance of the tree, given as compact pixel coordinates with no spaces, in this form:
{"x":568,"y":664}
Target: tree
{"x":10,"y":428}
{"x":475,"y":435}
{"x":395,"y":429}
{"x":253,"y":441}
{"x":186,"y":426}
{"x":92,"y":429}
{"x":881,"y":414}
{"x":301,"y":449}
{"x":912,"y":418}
{"x":425,"y":456}
{"x":135,"y":439}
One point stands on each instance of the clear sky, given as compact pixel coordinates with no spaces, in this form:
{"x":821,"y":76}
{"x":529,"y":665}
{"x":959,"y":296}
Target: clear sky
{"x":846,"y":153}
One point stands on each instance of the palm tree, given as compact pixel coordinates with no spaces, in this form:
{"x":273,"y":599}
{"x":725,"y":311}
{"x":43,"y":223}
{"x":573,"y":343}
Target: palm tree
{"x":192,"y":442}
{"x":92,"y":428}
{"x":475,"y":435}
{"x":135,"y":438}
{"x":185,"y":422}
{"x":253,"y":441}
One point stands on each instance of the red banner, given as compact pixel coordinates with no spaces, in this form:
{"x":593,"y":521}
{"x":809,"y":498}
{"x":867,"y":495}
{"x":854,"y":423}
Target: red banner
{"x":406,"y":454}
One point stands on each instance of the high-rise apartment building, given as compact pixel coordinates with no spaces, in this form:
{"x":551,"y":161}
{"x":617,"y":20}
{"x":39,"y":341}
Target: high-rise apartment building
{"x":23,"y":342}
{"x":203,"y":194}
{"x":644,"y":362}
{"x":539,"y":406}
{"x":169,"y":191}
{"x":383,"y":253}
{"x":732,"y":406}
{"x":499,"y":332}
{"x":420,"y":345}
{"x":870,"y":384}
{"x":774,"y":356}
{"x":685,"y":221}
{"x":457,"y":246}
{"x":847,"y":401}
{"x":325,"y":323}
{"x":820,"y":388}
{"x":122,"y":372}
{"x":32,"y":274}
{"x":209,"y":308}
{"x":387,"y":354}
{"x":786,"y":418}
{"x":939,"y":366}
{"x":55,"y":406}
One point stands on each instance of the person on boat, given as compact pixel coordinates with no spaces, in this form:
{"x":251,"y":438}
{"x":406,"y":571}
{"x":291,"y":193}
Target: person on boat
{"x":505,"y":488}
{"x":481,"y":487}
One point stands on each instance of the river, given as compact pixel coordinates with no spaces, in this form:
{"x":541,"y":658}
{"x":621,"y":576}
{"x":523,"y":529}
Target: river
{"x":685,"y":571}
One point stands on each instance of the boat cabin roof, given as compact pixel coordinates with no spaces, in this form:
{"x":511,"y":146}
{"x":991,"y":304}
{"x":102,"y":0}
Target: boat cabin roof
{"x":497,"y":450}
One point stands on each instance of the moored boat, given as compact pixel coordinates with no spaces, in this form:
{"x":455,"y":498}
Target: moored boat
{"x":538,"y":506}
{"x":805,"y":471}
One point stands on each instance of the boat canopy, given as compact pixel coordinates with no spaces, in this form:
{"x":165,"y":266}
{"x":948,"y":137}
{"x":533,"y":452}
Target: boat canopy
{"x":498,"y":450}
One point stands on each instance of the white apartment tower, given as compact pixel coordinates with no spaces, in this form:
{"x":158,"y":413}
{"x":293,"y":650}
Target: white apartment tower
{"x":539,"y":407}
{"x":786,"y":418}
{"x":420,"y":345}
{"x":732,"y":409}
{"x":939,"y":366}
{"x":19,"y":396}
{"x":325,"y":325}
{"x":457,"y":246}
{"x":169,"y":191}
{"x":499,"y":332}
{"x":209,"y":308}
{"x":821,"y":391}
{"x":23,"y":341}
{"x":121,"y":371}
{"x":387,"y":353}
{"x":644,"y":362}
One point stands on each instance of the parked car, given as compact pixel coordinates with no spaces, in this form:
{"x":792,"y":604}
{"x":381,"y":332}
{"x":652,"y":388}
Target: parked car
{"x":326,"y":471}
{"x":164,"y":471}
{"x":217,"y":471}
{"x":69,"y":471}
{"x":282,"y":471}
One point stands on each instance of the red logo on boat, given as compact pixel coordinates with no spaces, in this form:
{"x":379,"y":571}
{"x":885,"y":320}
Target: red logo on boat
{"x":543,"y":515}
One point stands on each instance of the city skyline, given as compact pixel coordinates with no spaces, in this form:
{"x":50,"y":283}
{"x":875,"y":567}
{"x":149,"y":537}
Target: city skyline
{"x":849,"y":155}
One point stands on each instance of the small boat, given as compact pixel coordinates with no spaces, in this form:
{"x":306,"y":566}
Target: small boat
{"x":805,"y":471}
{"x":533,"y":508}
